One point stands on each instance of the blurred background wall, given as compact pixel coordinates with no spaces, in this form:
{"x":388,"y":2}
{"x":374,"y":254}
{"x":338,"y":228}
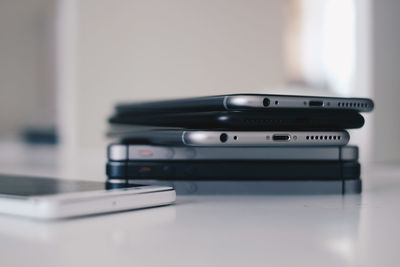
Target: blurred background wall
{"x":135,"y":50}
{"x":65,"y":63}
{"x":26,"y":65}
{"x":386,"y":80}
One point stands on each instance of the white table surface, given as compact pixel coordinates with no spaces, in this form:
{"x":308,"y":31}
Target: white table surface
{"x":322,"y":230}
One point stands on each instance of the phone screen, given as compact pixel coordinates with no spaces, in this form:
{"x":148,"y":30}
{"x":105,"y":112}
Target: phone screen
{"x":25,"y":186}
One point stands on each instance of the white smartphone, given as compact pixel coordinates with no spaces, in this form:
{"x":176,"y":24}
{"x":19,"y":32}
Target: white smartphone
{"x":235,"y":138}
{"x":49,"y":198}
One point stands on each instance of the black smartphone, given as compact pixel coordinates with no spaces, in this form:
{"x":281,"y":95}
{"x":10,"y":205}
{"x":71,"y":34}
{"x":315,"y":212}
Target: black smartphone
{"x":249,"y":187}
{"x":271,"y":119}
{"x":233,"y":170}
{"x":247,"y":102}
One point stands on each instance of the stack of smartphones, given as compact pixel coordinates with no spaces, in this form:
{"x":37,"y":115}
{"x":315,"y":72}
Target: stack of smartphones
{"x":238,"y":144}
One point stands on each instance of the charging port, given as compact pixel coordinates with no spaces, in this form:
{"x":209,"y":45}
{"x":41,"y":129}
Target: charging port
{"x":281,"y":137}
{"x":315,"y":103}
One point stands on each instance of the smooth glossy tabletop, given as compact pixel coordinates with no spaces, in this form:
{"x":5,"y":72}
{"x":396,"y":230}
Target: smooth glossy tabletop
{"x":333,"y":230}
{"x":270,"y":230}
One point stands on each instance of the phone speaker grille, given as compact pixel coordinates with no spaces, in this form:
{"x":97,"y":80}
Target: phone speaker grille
{"x":323,"y":137}
{"x":352,"y":104}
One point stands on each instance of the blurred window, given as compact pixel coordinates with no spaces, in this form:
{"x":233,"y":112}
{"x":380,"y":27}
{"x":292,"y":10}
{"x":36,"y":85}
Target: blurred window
{"x":320,"y":44}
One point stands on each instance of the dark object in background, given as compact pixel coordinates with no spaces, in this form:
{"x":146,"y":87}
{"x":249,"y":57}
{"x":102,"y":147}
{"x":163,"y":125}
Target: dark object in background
{"x":39,"y":136}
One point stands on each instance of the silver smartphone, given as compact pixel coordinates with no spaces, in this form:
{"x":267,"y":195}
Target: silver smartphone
{"x":247,"y":102}
{"x":48,"y":198}
{"x":237,"y":138}
{"x":133,"y":152}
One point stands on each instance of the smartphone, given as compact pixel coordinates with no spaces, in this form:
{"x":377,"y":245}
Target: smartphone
{"x":234,"y":138}
{"x":233,"y":170}
{"x":49,"y":198}
{"x":252,"y":187}
{"x":270,"y":119}
{"x":248,"y":102}
{"x":137,"y":152}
